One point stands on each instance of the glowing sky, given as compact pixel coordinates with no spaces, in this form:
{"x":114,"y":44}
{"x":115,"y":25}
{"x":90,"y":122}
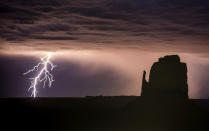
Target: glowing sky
{"x":101,"y":47}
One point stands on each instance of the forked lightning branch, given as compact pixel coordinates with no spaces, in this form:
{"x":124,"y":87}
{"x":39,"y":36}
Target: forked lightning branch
{"x":43,"y":70}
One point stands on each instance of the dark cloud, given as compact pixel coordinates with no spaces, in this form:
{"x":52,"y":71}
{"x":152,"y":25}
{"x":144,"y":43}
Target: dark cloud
{"x":138,"y":20}
{"x":54,"y":38}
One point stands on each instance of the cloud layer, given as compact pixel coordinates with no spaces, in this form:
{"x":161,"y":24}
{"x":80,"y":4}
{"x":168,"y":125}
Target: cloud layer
{"x":103,"y":23}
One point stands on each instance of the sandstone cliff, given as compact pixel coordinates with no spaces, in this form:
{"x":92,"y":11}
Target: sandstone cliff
{"x":168,"y":78}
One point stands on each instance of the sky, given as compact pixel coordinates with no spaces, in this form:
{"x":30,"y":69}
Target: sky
{"x":101,"y":47}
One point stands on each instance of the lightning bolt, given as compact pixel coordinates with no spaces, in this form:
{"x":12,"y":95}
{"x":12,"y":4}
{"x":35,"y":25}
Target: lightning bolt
{"x":44,"y":76}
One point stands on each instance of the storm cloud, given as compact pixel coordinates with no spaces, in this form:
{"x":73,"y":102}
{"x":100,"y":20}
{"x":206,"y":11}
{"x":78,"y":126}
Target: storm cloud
{"x":97,"y":23}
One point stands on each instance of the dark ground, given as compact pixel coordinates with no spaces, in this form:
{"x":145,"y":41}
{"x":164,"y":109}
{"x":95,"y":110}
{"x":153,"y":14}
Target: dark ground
{"x":121,"y":113}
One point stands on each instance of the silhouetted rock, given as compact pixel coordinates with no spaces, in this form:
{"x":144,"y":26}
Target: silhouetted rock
{"x":168,"y":78}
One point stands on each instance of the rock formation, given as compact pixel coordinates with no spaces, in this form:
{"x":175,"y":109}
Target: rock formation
{"x":168,"y":78}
